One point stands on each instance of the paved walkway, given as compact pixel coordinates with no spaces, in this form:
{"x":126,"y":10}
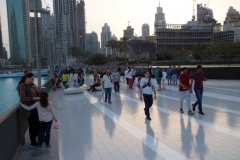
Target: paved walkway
{"x":93,"y":130}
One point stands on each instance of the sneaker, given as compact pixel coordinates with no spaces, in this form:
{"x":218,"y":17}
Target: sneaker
{"x":193,"y":107}
{"x":149,"y":118}
{"x":39,"y":147}
{"x":190,"y":112}
{"x":48,"y":146}
{"x":109,"y":102}
{"x":33,"y":145}
{"x":201,"y":113}
{"x":181,"y":110}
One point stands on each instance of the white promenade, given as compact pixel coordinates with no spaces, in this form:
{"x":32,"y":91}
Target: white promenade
{"x":93,"y":130}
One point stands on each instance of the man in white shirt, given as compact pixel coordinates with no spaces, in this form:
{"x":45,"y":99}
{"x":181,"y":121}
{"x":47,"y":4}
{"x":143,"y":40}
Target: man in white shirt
{"x":146,"y":89}
{"x":107,"y":85}
{"x":125,"y":73}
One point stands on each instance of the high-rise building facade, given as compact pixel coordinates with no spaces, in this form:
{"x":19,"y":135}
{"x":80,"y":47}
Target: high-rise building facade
{"x":145,"y":31}
{"x":65,"y":26}
{"x":81,"y":25}
{"x":105,"y":37}
{"x":19,"y":31}
{"x":1,"y":41}
{"x":4,"y":55}
{"x":39,"y":36}
{"x":92,"y":42}
{"x":159,"y":18}
{"x":128,"y":33}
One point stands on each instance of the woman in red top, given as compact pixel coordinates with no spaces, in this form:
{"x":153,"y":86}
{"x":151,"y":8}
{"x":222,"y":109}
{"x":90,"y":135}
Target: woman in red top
{"x":184,"y":89}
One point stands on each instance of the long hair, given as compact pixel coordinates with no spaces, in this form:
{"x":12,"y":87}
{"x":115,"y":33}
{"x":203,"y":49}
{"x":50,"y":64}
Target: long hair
{"x":129,"y":70}
{"x":44,"y":99}
{"x":23,"y":79}
{"x":139,"y":78}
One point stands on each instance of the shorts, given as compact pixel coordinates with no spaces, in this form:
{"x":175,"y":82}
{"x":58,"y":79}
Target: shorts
{"x":169,"y":76}
{"x":158,"y":81}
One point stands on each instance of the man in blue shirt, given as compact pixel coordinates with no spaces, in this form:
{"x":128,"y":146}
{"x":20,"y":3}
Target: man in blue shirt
{"x":169,"y":75}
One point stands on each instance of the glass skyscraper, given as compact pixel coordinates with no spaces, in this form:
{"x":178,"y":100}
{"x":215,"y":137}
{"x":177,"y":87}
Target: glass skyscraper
{"x":19,"y":30}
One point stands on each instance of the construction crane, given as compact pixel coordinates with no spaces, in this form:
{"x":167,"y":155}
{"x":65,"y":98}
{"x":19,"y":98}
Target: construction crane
{"x":129,"y":21}
{"x":207,"y":3}
{"x":47,"y":6}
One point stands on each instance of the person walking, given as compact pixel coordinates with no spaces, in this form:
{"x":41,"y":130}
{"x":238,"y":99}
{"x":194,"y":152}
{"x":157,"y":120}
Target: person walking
{"x":158,"y":75}
{"x":174,"y":75}
{"x":119,"y":71}
{"x":125,"y":74}
{"x":184,"y":89}
{"x":130,"y":78}
{"x":164,"y":76}
{"x":27,"y":97}
{"x":116,"y":79}
{"x":146,"y":89}
{"x":107,"y":86}
{"x":169,"y":75}
{"x":198,"y":77}
{"x":64,"y":79}
{"x":46,"y":114}
{"x":133,"y":73}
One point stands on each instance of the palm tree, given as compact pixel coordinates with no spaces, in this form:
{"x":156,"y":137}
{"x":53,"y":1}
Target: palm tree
{"x":124,"y":45}
{"x":113,"y":45}
{"x":75,"y":52}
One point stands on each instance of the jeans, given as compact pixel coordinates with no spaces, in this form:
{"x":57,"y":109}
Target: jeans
{"x":34,"y":126}
{"x":45,"y":129}
{"x":108,"y":92}
{"x":116,"y":86}
{"x":148,"y":100}
{"x":198,"y":93}
{"x":185,"y":95}
{"x":64,"y":84}
{"x":174,"y":79}
{"x":130,"y":82}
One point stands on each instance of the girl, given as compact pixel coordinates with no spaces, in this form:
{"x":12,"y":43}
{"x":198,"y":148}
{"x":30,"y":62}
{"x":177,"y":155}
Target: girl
{"x":130,"y":78}
{"x":164,"y":75}
{"x":45,"y":114}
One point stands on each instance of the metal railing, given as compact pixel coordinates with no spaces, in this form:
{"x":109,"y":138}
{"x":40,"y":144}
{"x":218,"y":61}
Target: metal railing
{"x":13,"y":130}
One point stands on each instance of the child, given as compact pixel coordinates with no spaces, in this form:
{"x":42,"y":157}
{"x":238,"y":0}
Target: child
{"x":75,"y":84}
{"x":46,"y":115}
{"x":164,"y":76}
{"x":138,"y":83}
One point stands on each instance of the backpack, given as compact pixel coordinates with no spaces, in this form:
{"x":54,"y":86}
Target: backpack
{"x":160,"y":74}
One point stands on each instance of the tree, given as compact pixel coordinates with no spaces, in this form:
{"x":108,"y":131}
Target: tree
{"x":230,"y":51}
{"x":75,"y":52}
{"x":124,"y":45}
{"x":96,"y":59}
{"x":215,"y":51}
{"x":200,"y":51}
{"x":181,"y":54}
{"x":113,"y":44}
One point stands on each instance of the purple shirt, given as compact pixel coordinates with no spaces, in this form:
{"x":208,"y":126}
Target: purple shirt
{"x":198,"y":79}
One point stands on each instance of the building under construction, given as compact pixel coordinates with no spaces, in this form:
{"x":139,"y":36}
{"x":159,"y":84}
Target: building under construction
{"x":171,"y":37}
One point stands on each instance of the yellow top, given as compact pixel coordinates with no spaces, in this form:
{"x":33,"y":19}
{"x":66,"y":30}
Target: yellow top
{"x":64,"y":77}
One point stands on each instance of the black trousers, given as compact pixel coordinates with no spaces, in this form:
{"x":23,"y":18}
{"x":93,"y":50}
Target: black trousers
{"x":134,"y":79}
{"x":148,"y":100}
{"x":127,"y":81}
{"x":116,"y":86}
{"x":34,"y":126}
{"x":93,"y":86}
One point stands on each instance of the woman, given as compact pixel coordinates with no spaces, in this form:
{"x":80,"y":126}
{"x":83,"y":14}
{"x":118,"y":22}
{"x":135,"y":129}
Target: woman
{"x":130,"y":78}
{"x":28,"y":96}
{"x":96,"y":84}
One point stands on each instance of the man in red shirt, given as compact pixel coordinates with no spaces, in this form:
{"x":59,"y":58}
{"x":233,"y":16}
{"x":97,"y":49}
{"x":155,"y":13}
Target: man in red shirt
{"x":185,"y":90}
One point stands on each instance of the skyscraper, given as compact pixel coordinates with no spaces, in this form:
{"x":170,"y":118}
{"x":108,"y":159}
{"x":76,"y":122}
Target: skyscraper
{"x":145,"y":31}
{"x":92,"y":42}
{"x":1,"y":42}
{"x":128,"y":33}
{"x":19,"y":30}
{"x":105,"y":37}
{"x":81,"y":25}
{"x":159,"y":18}
{"x":4,"y":55}
{"x":65,"y":26}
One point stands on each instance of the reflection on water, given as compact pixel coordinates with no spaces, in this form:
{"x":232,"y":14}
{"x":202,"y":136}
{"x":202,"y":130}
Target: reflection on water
{"x":8,"y":93}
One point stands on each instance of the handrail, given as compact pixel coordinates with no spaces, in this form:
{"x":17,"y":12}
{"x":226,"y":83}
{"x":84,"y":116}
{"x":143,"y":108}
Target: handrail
{"x":12,"y":130}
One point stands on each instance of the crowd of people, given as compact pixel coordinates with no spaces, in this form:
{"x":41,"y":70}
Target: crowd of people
{"x":39,"y":112}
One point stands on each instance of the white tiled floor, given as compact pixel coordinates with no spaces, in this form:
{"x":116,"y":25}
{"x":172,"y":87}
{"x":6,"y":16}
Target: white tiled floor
{"x":91,"y":129}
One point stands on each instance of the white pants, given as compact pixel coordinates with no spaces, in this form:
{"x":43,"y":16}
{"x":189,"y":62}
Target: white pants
{"x":185,"y":95}
{"x":163,"y":83}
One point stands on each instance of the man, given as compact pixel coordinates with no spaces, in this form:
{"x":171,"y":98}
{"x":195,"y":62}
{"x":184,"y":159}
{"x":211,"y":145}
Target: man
{"x":107,"y":85}
{"x":169,"y":75}
{"x":125,"y":74}
{"x":103,"y":73}
{"x":158,"y":75}
{"x":174,"y":75}
{"x":64,"y":79}
{"x":184,"y":89}
{"x":133,"y":73}
{"x":198,"y":78}
{"x":119,"y":71}
{"x":116,"y":79}
{"x":146,"y":89}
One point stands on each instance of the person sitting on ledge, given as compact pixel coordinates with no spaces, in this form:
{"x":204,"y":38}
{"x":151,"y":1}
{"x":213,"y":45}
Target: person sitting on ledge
{"x":96,"y":84}
{"x":75,"y":84}
{"x":81,"y":81}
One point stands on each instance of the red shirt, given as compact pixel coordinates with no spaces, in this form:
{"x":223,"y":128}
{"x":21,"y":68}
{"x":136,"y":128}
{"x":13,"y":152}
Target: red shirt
{"x":185,"y":81}
{"x":55,"y":75}
{"x":198,"y":79}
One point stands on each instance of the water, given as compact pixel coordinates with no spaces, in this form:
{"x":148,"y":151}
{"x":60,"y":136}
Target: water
{"x":8,"y":93}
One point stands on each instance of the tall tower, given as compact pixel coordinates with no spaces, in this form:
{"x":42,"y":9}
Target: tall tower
{"x":1,"y":42}
{"x":19,"y":31}
{"x":65,"y":26}
{"x":159,"y":18}
{"x":92,"y":42}
{"x":81,"y":25}
{"x":105,"y":37}
{"x":129,"y":32}
{"x":145,"y":31}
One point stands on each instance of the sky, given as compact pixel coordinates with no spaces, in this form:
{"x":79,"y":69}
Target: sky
{"x":116,"y":13}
